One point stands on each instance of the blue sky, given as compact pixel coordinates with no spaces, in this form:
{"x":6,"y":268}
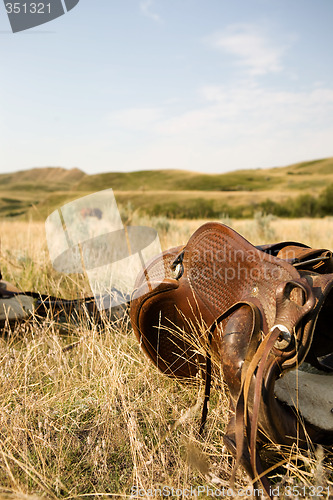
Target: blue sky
{"x":205,"y":85}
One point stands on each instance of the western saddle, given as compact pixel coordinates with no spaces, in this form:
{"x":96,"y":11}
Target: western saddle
{"x":261,"y":315}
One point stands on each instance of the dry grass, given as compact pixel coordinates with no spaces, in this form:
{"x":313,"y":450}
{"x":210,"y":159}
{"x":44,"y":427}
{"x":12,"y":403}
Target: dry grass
{"x":317,"y":233}
{"x":98,"y":420}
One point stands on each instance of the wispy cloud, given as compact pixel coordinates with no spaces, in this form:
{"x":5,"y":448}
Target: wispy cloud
{"x":251,"y":48}
{"x":236,"y":111}
{"x":146,"y":6}
{"x":233,"y":127}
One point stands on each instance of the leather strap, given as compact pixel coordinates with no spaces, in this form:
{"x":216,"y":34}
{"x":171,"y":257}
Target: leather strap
{"x":208,"y":381}
{"x":259,"y":364}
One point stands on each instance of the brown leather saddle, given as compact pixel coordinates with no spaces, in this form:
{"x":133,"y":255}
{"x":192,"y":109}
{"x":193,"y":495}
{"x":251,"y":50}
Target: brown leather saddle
{"x":260,"y":314}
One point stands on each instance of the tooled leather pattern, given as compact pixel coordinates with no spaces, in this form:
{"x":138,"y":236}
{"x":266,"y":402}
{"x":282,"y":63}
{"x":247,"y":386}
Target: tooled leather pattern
{"x":223,"y":268}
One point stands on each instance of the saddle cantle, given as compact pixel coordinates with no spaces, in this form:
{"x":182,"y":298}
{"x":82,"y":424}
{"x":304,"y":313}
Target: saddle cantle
{"x":260,"y":312}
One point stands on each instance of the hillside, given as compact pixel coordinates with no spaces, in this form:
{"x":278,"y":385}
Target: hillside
{"x":19,"y":191}
{"x":48,"y":178}
{"x":298,"y":176}
{"x":37,"y":192}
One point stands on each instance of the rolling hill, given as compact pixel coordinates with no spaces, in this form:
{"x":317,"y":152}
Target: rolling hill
{"x":37,"y":192}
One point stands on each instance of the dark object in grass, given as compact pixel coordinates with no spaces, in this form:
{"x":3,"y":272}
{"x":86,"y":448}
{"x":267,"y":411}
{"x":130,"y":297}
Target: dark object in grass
{"x":17,"y":306}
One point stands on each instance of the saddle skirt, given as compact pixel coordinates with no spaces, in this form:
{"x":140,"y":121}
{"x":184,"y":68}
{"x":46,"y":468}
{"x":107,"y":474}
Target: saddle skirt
{"x":258,"y":311}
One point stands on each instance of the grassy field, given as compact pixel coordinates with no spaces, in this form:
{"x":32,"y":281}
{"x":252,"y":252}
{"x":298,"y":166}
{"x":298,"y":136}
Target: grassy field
{"x":86,"y":415}
{"x":35,"y":193}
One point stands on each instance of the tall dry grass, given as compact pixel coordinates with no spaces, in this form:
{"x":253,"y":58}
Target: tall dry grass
{"x":85,"y":414}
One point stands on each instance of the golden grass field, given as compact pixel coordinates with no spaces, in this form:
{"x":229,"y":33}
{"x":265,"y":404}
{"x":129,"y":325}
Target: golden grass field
{"x":98,"y":420}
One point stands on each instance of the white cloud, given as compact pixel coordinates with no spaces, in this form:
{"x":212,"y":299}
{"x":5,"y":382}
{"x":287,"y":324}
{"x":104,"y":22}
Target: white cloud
{"x":235,"y":127}
{"x":255,"y":104}
{"x":145,"y":7}
{"x":229,"y":127}
{"x":251,"y":49}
